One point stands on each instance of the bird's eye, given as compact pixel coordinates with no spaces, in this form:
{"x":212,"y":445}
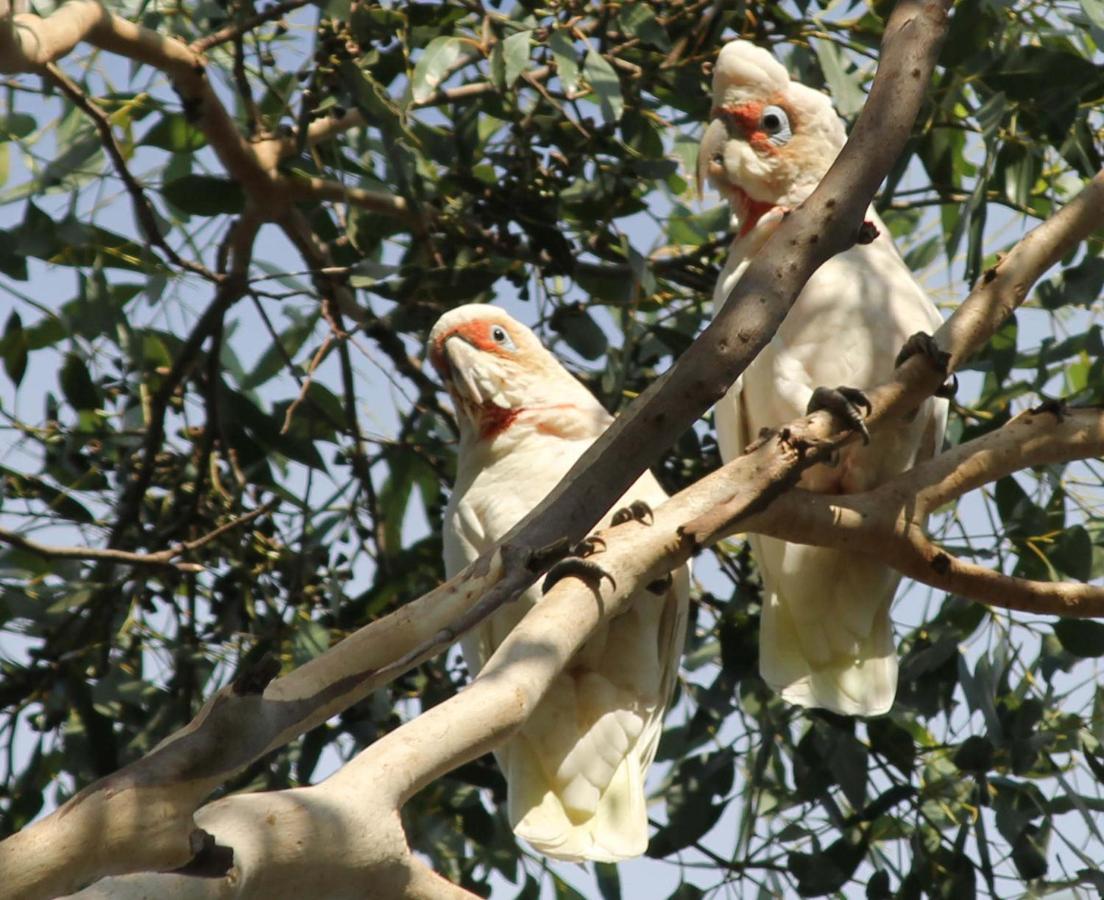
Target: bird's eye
{"x":502,"y":337}
{"x":775,"y":124}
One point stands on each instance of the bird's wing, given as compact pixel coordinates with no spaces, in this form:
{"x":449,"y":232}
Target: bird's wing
{"x":578,"y":765}
{"x":826,"y":638}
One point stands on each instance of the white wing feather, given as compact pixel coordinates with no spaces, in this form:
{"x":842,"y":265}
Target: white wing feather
{"x":576,"y":770}
{"x":826,"y":638}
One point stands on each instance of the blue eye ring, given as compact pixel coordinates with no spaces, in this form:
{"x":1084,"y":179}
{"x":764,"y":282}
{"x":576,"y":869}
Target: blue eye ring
{"x":775,"y":124}
{"x":502,"y":337}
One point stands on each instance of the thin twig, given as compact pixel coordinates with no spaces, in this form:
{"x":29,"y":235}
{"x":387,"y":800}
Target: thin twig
{"x":159,"y":559}
{"x":234,"y":32}
{"x":143,"y":210}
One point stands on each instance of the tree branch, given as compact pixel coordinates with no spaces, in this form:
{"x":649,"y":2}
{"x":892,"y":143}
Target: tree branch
{"x":159,"y":559}
{"x":143,"y":210}
{"x":825,"y":224}
{"x":233,"y":32}
{"x":887,"y":522}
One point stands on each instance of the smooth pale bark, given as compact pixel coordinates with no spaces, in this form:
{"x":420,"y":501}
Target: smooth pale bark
{"x":343,"y":837}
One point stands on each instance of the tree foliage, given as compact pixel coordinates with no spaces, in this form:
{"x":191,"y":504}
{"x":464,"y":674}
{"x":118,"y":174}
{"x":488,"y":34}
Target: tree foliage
{"x":256,"y":404}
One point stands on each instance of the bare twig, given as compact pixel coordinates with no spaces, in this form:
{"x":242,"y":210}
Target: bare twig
{"x":233,"y":32}
{"x":143,"y":210}
{"x":158,"y":559}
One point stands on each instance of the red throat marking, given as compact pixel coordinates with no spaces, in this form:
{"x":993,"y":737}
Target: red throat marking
{"x":493,"y":420}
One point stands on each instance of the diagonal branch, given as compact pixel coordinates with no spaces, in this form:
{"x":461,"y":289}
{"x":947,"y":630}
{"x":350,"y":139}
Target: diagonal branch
{"x":143,"y":210}
{"x":822,"y":226}
{"x":233,"y":32}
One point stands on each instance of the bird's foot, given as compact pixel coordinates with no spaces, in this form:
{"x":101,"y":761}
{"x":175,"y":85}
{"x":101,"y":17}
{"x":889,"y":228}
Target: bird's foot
{"x":923,"y":344}
{"x":637,"y":511}
{"x":576,"y":567}
{"x":540,"y":559}
{"x":845,"y":403}
{"x":588,"y":546}
{"x":1057,"y":407}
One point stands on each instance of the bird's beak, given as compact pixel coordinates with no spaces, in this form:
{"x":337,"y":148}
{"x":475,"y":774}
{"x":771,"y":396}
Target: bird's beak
{"x":711,"y":153}
{"x":451,"y":356}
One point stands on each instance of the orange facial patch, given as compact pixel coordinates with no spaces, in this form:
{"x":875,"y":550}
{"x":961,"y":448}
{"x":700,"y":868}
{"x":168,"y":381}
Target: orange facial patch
{"x":477,"y":333}
{"x":746,"y":118}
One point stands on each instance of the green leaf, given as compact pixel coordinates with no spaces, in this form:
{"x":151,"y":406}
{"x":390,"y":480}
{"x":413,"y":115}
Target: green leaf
{"x":889,"y":740}
{"x":434,"y":64}
{"x":16,"y":125}
{"x":77,"y":384}
{"x":609,"y":885}
{"x":1072,"y":553}
{"x":204,"y":195}
{"x":176,"y":134}
{"x":826,"y":872}
{"x":975,"y":755}
{"x":273,"y":360}
{"x":75,"y":160}
{"x":311,"y":639}
{"x":605,"y":83}
{"x":14,"y":348}
{"x":847,"y":92}
{"x":582,"y":334}
{"x":1081,"y":637}
{"x":567,"y":65}
{"x":565,"y":891}
{"x":1029,"y":851}
{"x":515,"y":53}
{"x":56,"y":501}
{"x":639,"y":20}
{"x":877,"y":888}
{"x":1094,"y":9}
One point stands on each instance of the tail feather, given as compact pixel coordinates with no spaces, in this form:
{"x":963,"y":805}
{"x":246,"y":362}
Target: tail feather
{"x":617,"y":829}
{"x":826,"y":639}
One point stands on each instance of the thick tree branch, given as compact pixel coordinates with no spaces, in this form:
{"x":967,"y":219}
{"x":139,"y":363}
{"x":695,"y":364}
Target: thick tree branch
{"x":823,"y":225}
{"x":888,"y":521}
{"x":300,"y":188}
{"x":141,"y":817}
{"x":411,"y":757}
{"x":997,"y":294}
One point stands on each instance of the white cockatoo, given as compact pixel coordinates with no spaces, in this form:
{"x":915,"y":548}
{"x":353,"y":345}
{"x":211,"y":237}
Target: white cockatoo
{"x":826,"y":638}
{"x":575,"y":771}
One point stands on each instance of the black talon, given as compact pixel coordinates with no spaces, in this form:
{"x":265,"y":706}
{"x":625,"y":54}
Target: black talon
{"x":1056,"y":407}
{"x":661,"y":585}
{"x":588,"y":546}
{"x":588,"y":572}
{"x":948,"y":388}
{"x":923,"y":343}
{"x":867,"y":233}
{"x":844,"y":402}
{"x":637,"y":511}
{"x":539,"y":560}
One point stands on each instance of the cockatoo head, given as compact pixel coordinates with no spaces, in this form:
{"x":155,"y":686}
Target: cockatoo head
{"x":770,"y":140}
{"x":500,"y":376}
